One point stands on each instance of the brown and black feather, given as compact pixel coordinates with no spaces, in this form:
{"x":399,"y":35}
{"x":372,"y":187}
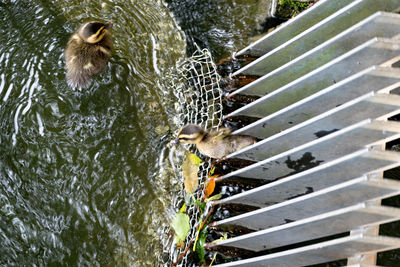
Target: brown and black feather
{"x":216,"y":143}
{"x":87,"y":53}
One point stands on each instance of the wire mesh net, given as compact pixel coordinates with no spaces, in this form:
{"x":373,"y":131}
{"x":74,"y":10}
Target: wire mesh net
{"x":197,"y":88}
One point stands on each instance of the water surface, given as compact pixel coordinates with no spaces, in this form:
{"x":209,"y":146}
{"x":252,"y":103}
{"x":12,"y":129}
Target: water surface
{"x":80,"y":180}
{"x":84,"y":178}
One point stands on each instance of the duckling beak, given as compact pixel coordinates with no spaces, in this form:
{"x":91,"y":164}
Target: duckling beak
{"x":108,"y":25}
{"x":175,"y":141}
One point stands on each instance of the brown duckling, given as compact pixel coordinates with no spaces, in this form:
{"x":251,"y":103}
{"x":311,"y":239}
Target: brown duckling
{"x":87,"y":52}
{"x":214,"y":144}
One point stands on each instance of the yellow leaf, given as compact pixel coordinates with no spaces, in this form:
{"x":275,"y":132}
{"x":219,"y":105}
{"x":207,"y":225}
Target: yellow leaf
{"x":211,"y":171}
{"x":210,"y":187}
{"x":194,"y":159}
{"x":183,"y":209}
{"x":189,"y":170}
{"x":224,"y":237}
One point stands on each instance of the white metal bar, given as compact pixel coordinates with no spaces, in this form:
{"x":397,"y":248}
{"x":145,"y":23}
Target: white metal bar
{"x":320,"y":177}
{"x":323,"y":252}
{"x":329,"y":199}
{"x":371,"y":106}
{"x":370,"y":80}
{"x":298,"y":24}
{"x":373,"y":52}
{"x":335,"y":29}
{"x":324,"y":149}
{"x":339,"y":221}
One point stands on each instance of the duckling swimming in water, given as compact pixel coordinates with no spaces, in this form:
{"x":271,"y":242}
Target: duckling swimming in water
{"x":214,"y":144}
{"x":87,"y":52}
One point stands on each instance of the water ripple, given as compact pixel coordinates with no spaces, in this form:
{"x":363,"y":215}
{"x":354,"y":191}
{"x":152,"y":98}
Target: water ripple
{"x":79,"y":168}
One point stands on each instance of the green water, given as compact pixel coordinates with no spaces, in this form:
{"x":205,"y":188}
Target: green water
{"x":84,"y":178}
{"x":80,"y":176}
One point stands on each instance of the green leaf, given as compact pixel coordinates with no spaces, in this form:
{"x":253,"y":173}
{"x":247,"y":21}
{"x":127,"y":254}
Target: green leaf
{"x":200,"y":245}
{"x":215,"y":197}
{"x":201,"y":204}
{"x":180,"y":224}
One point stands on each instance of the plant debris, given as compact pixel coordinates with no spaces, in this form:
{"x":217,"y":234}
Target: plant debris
{"x":180,"y":224}
{"x":190,"y":168}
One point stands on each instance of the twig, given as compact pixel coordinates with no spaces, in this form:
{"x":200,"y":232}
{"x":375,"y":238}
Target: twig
{"x":215,"y":255}
{"x":201,"y":226}
{"x":208,"y":215}
{"x":182,"y":254}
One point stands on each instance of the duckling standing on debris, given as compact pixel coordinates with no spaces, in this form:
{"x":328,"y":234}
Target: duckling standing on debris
{"x":87,"y":52}
{"x":214,"y":144}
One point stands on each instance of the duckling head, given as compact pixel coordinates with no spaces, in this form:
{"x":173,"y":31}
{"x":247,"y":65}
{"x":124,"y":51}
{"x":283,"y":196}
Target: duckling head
{"x":191,"y":134}
{"x":94,"y":31}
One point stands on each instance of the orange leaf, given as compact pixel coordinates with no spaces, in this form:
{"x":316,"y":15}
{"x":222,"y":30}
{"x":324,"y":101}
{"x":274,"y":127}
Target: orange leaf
{"x":210,"y":187}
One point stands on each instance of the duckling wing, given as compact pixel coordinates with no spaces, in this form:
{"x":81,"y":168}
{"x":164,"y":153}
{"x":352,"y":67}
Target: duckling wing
{"x":75,"y":61}
{"x":220,"y":134}
{"x":83,"y":60}
{"x":239,"y":142}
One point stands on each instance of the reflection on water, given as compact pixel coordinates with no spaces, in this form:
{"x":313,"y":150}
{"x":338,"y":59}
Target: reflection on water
{"x":82,"y":175}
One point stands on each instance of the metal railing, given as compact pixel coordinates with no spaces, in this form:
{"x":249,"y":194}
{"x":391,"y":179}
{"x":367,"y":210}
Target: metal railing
{"x":327,"y":86}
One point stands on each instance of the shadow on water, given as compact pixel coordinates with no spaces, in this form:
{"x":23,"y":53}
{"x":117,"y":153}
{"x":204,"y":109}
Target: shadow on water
{"x":79,"y":169}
